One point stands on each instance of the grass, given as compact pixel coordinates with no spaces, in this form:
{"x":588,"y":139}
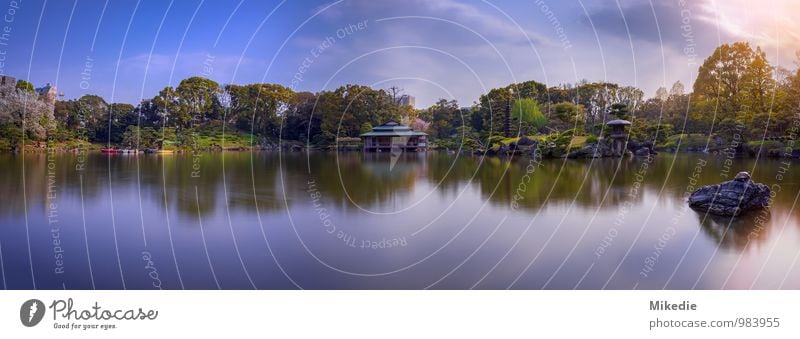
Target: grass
{"x":59,"y":146}
{"x":236,"y":139}
{"x":575,"y":142}
{"x":208,"y":138}
{"x":696,"y":140}
{"x":578,"y":141}
{"x":766,"y":144}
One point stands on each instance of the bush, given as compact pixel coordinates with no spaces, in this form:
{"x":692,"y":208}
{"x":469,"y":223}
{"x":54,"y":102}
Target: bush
{"x":11,"y":134}
{"x":765,"y":144}
{"x":495,"y":139}
{"x":695,"y":141}
{"x":658,"y":133}
{"x":324,"y":138}
{"x":570,"y":133}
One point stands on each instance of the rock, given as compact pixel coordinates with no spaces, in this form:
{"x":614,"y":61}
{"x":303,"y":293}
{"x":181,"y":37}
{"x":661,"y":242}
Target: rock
{"x":525,"y":141}
{"x":642,"y":152}
{"x":534,"y":151}
{"x":650,"y":147}
{"x":588,"y":151}
{"x":732,"y":197}
{"x":776,"y":153}
{"x":503,"y":149}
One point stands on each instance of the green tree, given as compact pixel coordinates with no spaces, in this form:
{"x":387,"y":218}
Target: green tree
{"x":730,"y":130}
{"x":444,"y":118}
{"x":301,"y":123}
{"x":722,"y":75}
{"x":10,"y":136}
{"x":198,"y":95}
{"x":620,"y":111}
{"x":492,"y":106}
{"x":526,"y":115}
{"x":365,"y":127}
{"x":93,"y":113}
{"x":759,"y":86}
{"x":568,"y":115}
{"x":25,"y":86}
{"x":346,"y":108}
{"x":135,"y":137}
{"x":168,"y":107}
{"x":122,"y":115}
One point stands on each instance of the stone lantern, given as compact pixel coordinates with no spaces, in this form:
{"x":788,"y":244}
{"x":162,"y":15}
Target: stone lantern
{"x":618,"y":136}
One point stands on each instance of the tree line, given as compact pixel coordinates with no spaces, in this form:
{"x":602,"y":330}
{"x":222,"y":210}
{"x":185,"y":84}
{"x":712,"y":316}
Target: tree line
{"x":736,"y":90}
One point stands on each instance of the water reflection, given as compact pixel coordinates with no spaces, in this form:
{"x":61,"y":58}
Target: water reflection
{"x":350,"y":179}
{"x":737,"y":232}
{"x":263,"y":220}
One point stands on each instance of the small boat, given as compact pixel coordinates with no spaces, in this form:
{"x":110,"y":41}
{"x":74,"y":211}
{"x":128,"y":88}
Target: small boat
{"x":110,"y":151}
{"x":165,"y":151}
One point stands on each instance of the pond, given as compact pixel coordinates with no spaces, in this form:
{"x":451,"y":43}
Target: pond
{"x":434,"y":220}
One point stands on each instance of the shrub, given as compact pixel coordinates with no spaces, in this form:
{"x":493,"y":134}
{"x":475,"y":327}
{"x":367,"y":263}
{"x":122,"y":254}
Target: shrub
{"x":496,"y":139}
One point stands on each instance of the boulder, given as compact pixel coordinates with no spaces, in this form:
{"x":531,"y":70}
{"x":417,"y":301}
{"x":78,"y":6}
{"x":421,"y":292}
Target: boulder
{"x":512,"y":146}
{"x":642,"y":152}
{"x":650,"y":147}
{"x":732,"y":197}
{"x":588,"y":151}
{"x":503,"y":149}
{"x":525,"y":141}
{"x":534,"y":151}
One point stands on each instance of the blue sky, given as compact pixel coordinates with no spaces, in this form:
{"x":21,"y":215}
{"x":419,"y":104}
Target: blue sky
{"x":127,"y":50}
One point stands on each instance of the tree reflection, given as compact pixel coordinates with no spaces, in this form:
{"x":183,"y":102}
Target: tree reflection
{"x":738,"y":232}
{"x":192,"y":185}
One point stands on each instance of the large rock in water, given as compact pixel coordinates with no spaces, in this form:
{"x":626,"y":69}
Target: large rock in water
{"x":731,"y":197}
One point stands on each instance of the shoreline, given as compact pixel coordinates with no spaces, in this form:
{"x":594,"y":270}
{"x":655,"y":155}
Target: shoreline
{"x":470,"y":152}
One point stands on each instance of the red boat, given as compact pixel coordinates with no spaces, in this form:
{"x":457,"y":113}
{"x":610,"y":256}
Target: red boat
{"x":110,"y":151}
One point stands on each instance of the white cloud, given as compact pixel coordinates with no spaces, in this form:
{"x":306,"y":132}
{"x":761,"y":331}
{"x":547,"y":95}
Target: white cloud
{"x":770,"y":24}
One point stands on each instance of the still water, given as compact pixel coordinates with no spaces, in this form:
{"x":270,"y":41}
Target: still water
{"x":376,"y":221}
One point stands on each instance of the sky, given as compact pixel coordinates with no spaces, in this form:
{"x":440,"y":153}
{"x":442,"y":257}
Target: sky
{"x":128,"y":50}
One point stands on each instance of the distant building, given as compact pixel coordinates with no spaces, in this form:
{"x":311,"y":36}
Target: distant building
{"x":47,"y":93}
{"x":393,"y":135}
{"x":7,"y":82}
{"x":407,"y":100}
{"x":7,"y":85}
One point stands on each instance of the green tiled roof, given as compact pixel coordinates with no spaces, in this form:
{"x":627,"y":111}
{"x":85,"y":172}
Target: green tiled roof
{"x":393,"y":129}
{"x":406,"y":133}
